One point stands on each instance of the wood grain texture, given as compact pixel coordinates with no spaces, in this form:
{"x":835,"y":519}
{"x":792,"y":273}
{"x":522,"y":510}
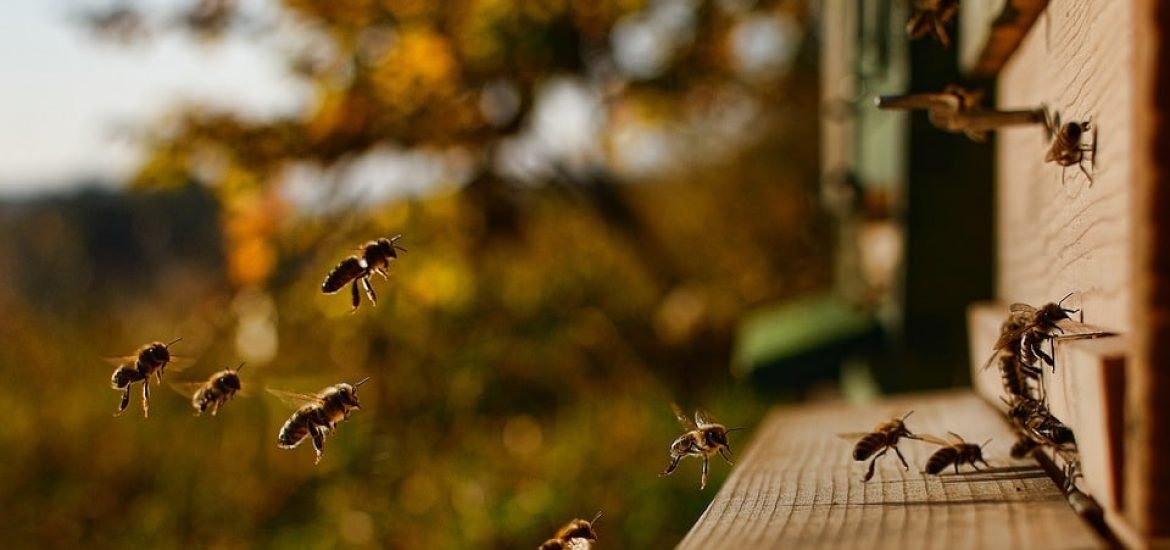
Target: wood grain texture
{"x":1057,"y":232}
{"x":797,"y":486}
{"x":1147,"y":444}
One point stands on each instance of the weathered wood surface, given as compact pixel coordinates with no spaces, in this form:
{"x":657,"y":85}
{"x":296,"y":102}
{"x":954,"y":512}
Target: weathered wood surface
{"x":1057,"y":232}
{"x":796,"y":486}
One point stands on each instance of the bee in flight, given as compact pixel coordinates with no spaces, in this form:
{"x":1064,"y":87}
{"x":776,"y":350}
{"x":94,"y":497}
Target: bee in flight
{"x":954,"y":452}
{"x":1068,"y":147}
{"x":932,"y":17}
{"x":149,"y":359}
{"x":703,"y":438}
{"x":575,"y":535}
{"x":318,"y":414}
{"x":375,"y":258}
{"x":884,"y":437}
{"x":213,"y":393}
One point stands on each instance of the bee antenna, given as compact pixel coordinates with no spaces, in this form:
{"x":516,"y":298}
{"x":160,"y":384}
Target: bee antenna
{"x":363,"y":381}
{"x":173,"y":342}
{"x":595,"y":518}
{"x":729,"y":430}
{"x":908,"y":413}
{"x":985,"y":443}
{"x":1066,"y":296}
{"x":241,"y":367}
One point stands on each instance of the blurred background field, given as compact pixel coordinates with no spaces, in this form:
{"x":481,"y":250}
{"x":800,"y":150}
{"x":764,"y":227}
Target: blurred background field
{"x":595,"y":196}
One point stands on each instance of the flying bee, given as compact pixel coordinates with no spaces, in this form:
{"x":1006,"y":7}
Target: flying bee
{"x":149,"y":359}
{"x":703,"y":438}
{"x":884,"y":437}
{"x":213,"y":393}
{"x":932,"y":17}
{"x":954,"y":452}
{"x":375,"y":258}
{"x":318,"y":414}
{"x":575,"y":535}
{"x":1067,"y":146}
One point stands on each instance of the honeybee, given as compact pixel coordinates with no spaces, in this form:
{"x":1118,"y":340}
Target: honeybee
{"x":1014,"y":370}
{"x":884,"y":437}
{"x":149,"y":359}
{"x":1067,"y":148}
{"x":1040,"y":327}
{"x":213,"y":393}
{"x":954,"y":452}
{"x":317,"y":415}
{"x":1038,"y":424}
{"x":956,"y":109}
{"x":375,"y":258}
{"x":703,"y":438}
{"x":575,"y":535}
{"x":932,"y":17}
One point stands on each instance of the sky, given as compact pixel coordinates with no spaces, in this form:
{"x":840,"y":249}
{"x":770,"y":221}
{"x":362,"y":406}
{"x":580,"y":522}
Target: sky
{"x":65,"y":94}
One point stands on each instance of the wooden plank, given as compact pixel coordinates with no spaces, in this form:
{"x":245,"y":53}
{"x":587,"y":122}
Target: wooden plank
{"x":996,"y":39}
{"x":796,"y":486}
{"x":1147,"y":445}
{"x":1056,"y":236}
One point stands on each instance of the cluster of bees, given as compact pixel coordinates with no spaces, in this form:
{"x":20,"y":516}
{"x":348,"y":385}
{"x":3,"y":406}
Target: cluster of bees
{"x":1020,"y":353}
{"x":1019,"y":349}
{"x":316,"y":414}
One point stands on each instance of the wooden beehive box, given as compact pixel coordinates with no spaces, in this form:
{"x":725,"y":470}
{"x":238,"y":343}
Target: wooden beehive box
{"x":1104,"y":236}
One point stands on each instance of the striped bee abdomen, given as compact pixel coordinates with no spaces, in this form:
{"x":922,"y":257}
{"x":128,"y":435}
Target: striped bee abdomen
{"x":346,"y":271}
{"x":124,"y":376}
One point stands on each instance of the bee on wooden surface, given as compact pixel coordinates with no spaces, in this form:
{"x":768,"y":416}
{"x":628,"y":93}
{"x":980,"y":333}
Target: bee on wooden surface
{"x":1040,"y":327}
{"x":932,"y":17}
{"x":703,"y":438}
{"x":884,"y":437}
{"x":149,"y":359}
{"x":1039,"y":425}
{"x":213,"y":393}
{"x":575,"y":535}
{"x":317,"y":415}
{"x":375,"y":258}
{"x":1014,"y":370}
{"x":957,"y":109}
{"x":954,"y":452}
{"x":1068,"y":147}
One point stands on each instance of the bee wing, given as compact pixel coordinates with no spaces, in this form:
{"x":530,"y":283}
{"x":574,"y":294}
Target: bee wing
{"x":933,"y":439}
{"x":294,"y":398}
{"x":703,"y":418}
{"x":119,"y":361}
{"x":1020,"y":307}
{"x":682,"y":417}
{"x":852,"y":435}
{"x":186,"y":389}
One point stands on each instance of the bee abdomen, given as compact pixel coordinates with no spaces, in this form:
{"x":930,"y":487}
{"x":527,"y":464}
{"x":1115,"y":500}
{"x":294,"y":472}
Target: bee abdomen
{"x":124,"y":376}
{"x":868,"y":445}
{"x":941,"y":459}
{"x":293,"y":432}
{"x":346,"y":271}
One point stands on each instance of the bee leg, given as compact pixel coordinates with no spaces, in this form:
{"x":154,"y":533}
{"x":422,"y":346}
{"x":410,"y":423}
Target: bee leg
{"x":726,"y":454}
{"x":956,"y":467}
{"x":902,"y":458}
{"x":373,"y":296}
{"x":354,"y":296}
{"x":318,"y":442}
{"x":984,"y":463}
{"x":977,"y":468}
{"x":214,"y":407}
{"x":670,"y":467}
{"x":872,"y":464}
{"x":703,"y":481}
{"x":146,"y":398}
{"x":125,"y":401}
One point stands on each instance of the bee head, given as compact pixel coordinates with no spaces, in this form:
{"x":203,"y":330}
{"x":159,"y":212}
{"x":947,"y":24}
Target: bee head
{"x":717,"y":436}
{"x":230,"y":379}
{"x":387,"y":248}
{"x":158,"y":352}
{"x":1073,"y":130}
{"x":581,"y":529}
{"x":348,"y":393}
